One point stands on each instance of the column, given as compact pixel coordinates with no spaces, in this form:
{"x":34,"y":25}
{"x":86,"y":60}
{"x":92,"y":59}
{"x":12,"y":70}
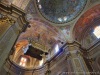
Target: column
{"x":12,"y":23}
{"x":7,"y":37}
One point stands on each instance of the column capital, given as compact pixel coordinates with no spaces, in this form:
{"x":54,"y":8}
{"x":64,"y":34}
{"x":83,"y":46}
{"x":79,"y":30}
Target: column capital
{"x":73,"y":44}
{"x":72,"y":48}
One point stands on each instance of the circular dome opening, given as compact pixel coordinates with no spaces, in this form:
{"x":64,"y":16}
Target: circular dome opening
{"x":60,"y":11}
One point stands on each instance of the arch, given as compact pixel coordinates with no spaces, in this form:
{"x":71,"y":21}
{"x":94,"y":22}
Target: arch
{"x":85,"y":21}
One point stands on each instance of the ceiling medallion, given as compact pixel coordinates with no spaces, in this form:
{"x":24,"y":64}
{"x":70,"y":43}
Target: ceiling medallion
{"x":60,"y":11}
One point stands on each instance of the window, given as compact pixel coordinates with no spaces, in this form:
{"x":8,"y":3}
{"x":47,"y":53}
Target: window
{"x":38,"y":0}
{"x":57,"y":48}
{"x":23,"y":61}
{"x":41,"y":63}
{"x":40,"y":6}
{"x":97,"y":32}
{"x":59,"y":19}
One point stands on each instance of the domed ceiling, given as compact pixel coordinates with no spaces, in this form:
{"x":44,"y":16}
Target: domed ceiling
{"x":60,"y":11}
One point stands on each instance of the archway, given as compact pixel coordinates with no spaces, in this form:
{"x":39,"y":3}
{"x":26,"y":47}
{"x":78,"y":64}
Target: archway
{"x":86,"y":25}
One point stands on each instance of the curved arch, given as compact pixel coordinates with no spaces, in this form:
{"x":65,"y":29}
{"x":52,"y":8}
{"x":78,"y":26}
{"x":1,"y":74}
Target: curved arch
{"x":88,"y":18}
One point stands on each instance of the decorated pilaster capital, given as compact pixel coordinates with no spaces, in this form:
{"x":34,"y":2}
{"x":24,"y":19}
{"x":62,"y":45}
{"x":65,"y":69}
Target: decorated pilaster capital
{"x":6,"y":19}
{"x":73,"y":48}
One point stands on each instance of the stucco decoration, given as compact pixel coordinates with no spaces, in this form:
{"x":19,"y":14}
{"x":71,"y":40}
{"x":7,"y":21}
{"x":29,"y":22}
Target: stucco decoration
{"x":60,"y":11}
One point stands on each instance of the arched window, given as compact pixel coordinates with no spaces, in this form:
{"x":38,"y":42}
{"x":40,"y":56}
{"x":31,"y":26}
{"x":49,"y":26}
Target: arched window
{"x":56,"y":48}
{"x":96,"y":32}
{"x":41,"y":63}
{"x":23,"y":61}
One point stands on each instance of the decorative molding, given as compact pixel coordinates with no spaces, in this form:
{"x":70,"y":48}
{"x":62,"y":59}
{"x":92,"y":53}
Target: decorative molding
{"x":39,"y":46}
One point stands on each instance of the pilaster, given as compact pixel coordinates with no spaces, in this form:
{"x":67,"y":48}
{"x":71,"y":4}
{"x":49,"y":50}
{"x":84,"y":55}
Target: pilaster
{"x":16,"y":23}
{"x":77,"y":65}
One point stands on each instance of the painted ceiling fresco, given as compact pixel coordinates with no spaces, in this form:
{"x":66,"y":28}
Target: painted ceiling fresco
{"x":31,"y":11}
{"x":86,"y":19}
{"x":60,"y":11}
{"x":42,"y":33}
{"x":66,"y":31}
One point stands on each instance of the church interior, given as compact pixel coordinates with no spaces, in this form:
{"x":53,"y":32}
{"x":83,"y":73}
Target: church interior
{"x":49,"y":37}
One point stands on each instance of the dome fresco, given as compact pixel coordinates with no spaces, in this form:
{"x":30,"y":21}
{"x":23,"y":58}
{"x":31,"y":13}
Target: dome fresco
{"x":42,"y":33}
{"x":60,"y":11}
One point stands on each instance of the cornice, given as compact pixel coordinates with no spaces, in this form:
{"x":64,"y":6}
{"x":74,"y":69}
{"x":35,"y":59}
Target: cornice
{"x":13,"y":12}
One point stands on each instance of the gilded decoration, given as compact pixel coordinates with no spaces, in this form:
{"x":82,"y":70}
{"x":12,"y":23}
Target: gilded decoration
{"x":5,"y":24}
